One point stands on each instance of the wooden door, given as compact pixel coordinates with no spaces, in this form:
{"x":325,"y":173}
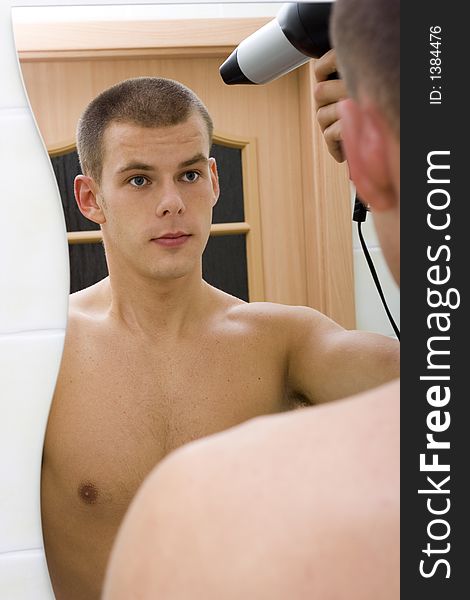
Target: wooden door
{"x":296,"y":197}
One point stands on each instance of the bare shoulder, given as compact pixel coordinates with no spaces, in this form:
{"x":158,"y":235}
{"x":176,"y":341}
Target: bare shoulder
{"x":91,"y":300}
{"x":298,"y":323}
{"x":282,"y":503}
{"x":268,"y":320}
{"x":275,"y":310}
{"x":86,"y":311}
{"x":292,"y":320}
{"x":324,"y":361}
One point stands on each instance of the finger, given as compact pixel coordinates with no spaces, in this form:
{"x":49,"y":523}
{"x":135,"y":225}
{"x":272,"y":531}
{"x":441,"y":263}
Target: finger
{"x":327,"y":115}
{"x":326,"y":65}
{"x":333,"y":139}
{"x":329,"y":92}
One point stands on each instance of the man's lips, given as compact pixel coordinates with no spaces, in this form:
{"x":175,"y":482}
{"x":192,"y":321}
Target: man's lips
{"x":172,"y":239}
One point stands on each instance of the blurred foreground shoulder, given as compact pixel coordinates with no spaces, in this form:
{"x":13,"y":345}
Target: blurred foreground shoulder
{"x":303,"y":504}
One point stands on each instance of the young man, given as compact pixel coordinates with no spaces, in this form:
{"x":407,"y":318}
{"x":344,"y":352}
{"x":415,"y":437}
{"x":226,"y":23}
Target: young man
{"x":302,"y":505}
{"x":154,"y":356}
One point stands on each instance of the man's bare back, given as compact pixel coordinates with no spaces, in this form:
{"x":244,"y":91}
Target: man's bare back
{"x":126,"y":397}
{"x":250,"y":513}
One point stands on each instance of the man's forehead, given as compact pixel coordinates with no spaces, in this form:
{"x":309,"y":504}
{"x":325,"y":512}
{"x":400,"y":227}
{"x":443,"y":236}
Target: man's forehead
{"x":132,"y":143}
{"x":191,"y":129}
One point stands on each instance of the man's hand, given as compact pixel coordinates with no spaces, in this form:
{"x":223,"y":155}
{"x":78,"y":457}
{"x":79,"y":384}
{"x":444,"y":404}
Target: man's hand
{"x":327,"y":94}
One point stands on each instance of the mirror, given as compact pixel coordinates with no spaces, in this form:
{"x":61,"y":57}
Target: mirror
{"x":66,"y":59}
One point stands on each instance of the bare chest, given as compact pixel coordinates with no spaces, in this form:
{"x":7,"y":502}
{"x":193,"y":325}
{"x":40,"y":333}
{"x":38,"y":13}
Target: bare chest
{"x":120,"y":411}
{"x":121,"y":406}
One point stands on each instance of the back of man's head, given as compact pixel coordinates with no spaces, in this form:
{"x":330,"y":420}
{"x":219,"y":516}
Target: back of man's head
{"x":366,"y":36}
{"x":143,"y":101}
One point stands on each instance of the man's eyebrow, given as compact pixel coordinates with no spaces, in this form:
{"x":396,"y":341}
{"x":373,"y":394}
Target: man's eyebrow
{"x":195,"y":159}
{"x":138,"y":166}
{"x":135,"y":166}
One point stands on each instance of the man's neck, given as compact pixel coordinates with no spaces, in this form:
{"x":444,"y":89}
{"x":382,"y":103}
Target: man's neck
{"x":148,"y":306}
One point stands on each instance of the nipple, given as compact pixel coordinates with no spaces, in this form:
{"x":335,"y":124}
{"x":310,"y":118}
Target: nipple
{"x":88,"y":493}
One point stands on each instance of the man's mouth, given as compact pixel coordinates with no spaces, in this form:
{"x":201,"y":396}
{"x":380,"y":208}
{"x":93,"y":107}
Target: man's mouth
{"x":172,"y":239}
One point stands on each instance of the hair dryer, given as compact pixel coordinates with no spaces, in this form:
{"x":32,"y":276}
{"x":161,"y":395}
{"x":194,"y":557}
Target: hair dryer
{"x":299,"y":32}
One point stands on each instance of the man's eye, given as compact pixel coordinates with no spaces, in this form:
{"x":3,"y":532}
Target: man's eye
{"x":138,"y":181}
{"x":191,"y":176}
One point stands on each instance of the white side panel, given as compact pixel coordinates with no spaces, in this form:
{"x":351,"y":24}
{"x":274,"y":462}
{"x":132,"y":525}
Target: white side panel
{"x":34,"y":284}
{"x":33,"y":249}
{"x":23,"y":576}
{"x":29,"y":364}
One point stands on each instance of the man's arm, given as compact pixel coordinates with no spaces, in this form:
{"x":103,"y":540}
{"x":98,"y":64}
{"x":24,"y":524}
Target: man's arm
{"x":327,"y":362}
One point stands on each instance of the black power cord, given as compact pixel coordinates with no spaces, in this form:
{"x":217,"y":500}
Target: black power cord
{"x":359,"y":215}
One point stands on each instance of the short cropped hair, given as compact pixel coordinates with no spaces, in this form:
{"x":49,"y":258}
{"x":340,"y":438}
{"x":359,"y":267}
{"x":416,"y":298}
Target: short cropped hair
{"x":366,"y":36}
{"x":144,"y":101}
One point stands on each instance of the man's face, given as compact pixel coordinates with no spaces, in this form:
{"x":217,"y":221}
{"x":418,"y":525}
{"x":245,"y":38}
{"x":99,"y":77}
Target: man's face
{"x":157,"y":191}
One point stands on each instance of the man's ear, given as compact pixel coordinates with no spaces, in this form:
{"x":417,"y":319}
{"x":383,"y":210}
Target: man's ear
{"x":366,"y":143}
{"x":214,"y":179}
{"x":86,"y":195}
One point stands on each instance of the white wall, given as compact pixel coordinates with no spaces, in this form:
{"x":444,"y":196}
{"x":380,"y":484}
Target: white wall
{"x":370,"y":313}
{"x":142,"y":12}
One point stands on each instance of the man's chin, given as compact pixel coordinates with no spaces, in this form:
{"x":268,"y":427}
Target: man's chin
{"x":173,"y":273}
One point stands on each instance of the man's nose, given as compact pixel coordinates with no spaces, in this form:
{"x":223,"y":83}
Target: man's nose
{"x":170,"y":201}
